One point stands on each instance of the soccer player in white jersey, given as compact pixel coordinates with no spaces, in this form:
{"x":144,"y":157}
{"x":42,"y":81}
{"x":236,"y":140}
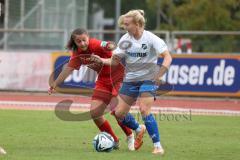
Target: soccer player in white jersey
{"x":140,"y":49}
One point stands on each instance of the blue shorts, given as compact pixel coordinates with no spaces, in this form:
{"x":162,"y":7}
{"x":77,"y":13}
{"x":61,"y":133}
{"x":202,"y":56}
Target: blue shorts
{"x":134,"y":89}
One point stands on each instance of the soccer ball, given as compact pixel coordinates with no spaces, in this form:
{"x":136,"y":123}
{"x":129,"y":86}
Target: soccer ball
{"x":103,"y":142}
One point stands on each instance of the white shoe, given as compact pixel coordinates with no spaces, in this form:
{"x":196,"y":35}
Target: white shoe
{"x":158,"y":150}
{"x":2,"y":151}
{"x":130,"y":142}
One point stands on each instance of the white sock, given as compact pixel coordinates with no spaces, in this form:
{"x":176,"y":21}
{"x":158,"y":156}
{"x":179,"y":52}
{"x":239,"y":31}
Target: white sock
{"x":138,"y":129}
{"x":130,"y":136}
{"x":157,"y":145}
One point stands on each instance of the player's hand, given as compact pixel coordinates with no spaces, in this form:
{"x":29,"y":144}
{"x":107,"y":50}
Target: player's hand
{"x":95,"y":59}
{"x":111,"y":46}
{"x":95,"y":63}
{"x":50,"y":90}
{"x":159,"y":82}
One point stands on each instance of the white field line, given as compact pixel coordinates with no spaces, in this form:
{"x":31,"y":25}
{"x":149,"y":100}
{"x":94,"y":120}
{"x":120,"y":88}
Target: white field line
{"x":86,"y":106}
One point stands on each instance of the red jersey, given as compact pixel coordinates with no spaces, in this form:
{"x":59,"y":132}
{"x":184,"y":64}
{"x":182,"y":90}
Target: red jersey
{"x":96,"y":47}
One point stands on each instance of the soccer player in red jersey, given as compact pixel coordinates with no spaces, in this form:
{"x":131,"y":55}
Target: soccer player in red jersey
{"x":108,"y":81}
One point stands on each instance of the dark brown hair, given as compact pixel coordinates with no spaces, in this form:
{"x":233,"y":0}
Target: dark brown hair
{"x":71,"y":44}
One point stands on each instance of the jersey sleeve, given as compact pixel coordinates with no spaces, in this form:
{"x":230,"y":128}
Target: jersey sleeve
{"x":158,"y":44}
{"x":98,"y":47}
{"x":74,"y":61}
{"x":119,"y":51}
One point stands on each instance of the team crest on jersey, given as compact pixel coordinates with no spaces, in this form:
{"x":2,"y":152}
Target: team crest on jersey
{"x":144,"y":46}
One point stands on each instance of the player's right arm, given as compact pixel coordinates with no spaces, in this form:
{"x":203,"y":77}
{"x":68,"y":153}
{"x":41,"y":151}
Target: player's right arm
{"x":66,"y":71}
{"x":74,"y":63}
{"x":62,"y":76}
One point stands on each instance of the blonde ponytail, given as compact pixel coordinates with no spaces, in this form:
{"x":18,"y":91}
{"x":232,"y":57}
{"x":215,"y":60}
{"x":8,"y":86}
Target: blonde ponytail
{"x":137,"y":15}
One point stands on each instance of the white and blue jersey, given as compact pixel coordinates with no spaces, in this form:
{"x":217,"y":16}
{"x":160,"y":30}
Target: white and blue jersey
{"x":140,"y":55}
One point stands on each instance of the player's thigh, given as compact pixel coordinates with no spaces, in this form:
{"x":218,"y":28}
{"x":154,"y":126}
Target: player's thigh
{"x":113,"y":104}
{"x":102,"y":92}
{"x":124,"y":105}
{"x":97,"y":108}
{"x":146,"y":101}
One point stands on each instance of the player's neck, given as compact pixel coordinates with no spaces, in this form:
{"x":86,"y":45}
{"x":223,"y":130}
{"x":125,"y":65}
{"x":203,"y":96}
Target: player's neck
{"x":138,"y":34}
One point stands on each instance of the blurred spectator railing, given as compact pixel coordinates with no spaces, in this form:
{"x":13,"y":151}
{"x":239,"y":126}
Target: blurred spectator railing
{"x":25,"y":39}
{"x":178,"y":41}
{"x":110,"y":34}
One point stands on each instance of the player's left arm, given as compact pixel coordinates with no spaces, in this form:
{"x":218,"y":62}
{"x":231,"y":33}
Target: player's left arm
{"x":113,"y":61}
{"x":162,"y":51}
{"x":104,"y":51}
{"x":108,"y":45}
{"x":167,"y":60}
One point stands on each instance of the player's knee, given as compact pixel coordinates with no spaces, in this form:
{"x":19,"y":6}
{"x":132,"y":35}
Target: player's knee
{"x":144,"y":110}
{"x":99,"y":121}
{"x":119,"y":115}
{"x":95,"y":114}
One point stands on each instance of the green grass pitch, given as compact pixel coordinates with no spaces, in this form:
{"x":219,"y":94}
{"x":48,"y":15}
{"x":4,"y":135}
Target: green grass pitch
{"x":40,"y":135}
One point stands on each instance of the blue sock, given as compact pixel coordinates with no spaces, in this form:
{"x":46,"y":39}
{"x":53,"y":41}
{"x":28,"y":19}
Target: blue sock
{"x":130,"y":122}
{"x":152,"y":128}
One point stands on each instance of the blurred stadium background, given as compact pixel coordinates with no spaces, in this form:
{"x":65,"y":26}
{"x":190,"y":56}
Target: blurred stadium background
{"x":203,"y":37}
{"x":39,"y":30}
{"x":46,"y":24}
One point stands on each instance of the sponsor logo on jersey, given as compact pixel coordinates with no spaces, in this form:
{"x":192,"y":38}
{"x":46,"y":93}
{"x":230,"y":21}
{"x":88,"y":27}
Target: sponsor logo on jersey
{"x":144,"y":54}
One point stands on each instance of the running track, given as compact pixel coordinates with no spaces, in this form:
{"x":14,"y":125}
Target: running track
{"x":43,"y":101}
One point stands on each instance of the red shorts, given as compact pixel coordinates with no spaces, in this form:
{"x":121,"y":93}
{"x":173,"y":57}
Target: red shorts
{"x":108,"y":84}
{"x":104,"y":91}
